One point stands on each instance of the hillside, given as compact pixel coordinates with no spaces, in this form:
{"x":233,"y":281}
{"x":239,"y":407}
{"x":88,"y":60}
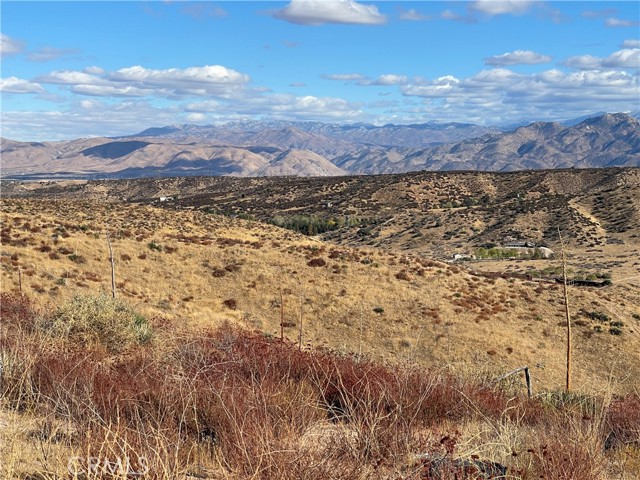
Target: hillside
{"x":205,"y":269}
{"x":247,"y":148}
{"x":434,"y":213}
{"x":391,"y":361}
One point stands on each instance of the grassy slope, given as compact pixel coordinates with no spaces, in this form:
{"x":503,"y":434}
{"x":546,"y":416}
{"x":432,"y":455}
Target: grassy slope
{"x":435,"y":314}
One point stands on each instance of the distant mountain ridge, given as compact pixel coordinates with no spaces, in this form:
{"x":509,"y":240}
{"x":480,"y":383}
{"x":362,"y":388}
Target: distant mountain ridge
{"x":252,"y":131}
{"x":252,"y":148}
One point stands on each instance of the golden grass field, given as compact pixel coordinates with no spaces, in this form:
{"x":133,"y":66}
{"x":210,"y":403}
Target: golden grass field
{"x":201,"y":269}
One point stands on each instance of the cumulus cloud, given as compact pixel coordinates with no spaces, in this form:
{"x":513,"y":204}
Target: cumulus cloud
{"x":71,"y":77}
{"x":583,"y":62}
{"x":138,"y":81}
{"x":180,"y":78}
{"x":282,"y":106}
{"x":413,"y":15}
{"x":436,"y":88}
{"x":387,"y":79}
{"x":109,"y":91}
{"x":517,"y":57}
{"x":499,"y":94}
{"x":319,"y":12}
{"x":631,"y":43}
{"x":501,"y":7}
{"x":196,"y":117}
{"x":10,"y":46}
{"x":625,"y":58}
{"x":617,"y":22}
{"x":18,"y":85}
{"x":46,"y":54}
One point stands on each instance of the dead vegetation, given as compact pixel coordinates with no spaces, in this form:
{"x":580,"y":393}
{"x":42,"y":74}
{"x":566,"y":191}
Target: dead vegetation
{"x":230,"y":403}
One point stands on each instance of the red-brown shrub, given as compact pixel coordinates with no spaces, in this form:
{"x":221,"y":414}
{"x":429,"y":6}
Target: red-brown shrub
{"x":317,"y":262}
{"x":622,"y":422}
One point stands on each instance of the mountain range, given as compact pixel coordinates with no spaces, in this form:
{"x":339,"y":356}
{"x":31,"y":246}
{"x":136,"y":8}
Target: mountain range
{"x":276,"y":148}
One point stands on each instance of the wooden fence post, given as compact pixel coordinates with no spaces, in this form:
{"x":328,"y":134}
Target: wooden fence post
{"x":567,"y":314}
{"x":113,"y":268}
{"x":281,"y":315}
{"x":527,"y":378}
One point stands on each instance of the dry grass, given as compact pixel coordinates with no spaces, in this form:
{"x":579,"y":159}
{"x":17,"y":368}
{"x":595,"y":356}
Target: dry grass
{"x":396,"y":307}
{"x":230,"y":403}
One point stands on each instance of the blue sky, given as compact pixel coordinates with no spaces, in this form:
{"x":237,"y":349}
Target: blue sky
{"x":74,"y":69}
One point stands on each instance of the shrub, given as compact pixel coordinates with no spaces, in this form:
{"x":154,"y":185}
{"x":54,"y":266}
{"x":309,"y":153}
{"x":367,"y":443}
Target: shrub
{"x":599,"y":316}
{"x":79,"y":259}
{"x":16,"y":309}
{"x":403,"y":275}
{"x":317,"y":262}
{"x":622,"y":422}
{"x":231,"y":303}
{"x":154,"y":246}
{"x":100,"y":320}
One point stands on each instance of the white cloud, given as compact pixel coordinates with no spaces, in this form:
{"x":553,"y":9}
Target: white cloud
{"x":283,"y":106}
{"x":93,"y":70}
{"x":138,"y":81}
{"x":343,"y":77}
{"x":501,"y":7}
{"x":18,"y":85}
{"x":413,"y":15}
{"x":626,"y":58}
{"x":196,"y":117}
{"x":631,"y":43}
{"x":207,"y":106}
{"x":500,"y":95}
{"x":88,"y":118}
{"x":318,"y":12}
{"x":616,"y":22}
{"x":297,"y":84}
{"x":209,"y":76}
{"x":91,"y":104}
{"x":46,"y":54}
{"x":82,"y":120}
{"x":517,"y":57}
{"x":388,"y":79}
{"x":583,"y":62}
{"x":363,"y":80}
{"x":436,"y":88}
{"x":109,"y":91}
{"x":71,"y":77}
{"x":10,"y":46}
